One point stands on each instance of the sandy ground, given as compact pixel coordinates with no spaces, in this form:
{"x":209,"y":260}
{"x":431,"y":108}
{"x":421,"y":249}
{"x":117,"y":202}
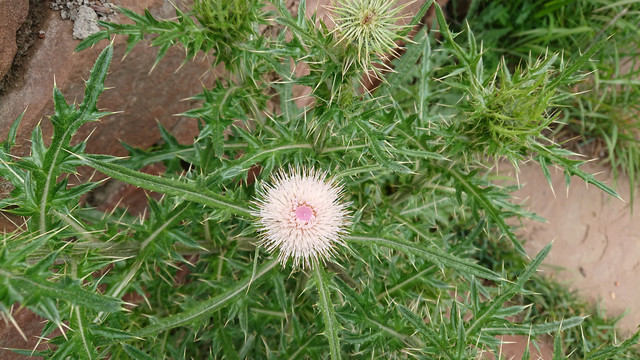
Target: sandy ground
{"x":596,"y":238}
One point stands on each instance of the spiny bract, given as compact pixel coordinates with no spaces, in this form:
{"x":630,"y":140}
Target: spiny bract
{"x":369,"y":25}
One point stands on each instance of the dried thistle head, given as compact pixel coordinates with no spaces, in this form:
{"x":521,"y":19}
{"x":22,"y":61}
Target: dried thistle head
{"x":370,"y":26}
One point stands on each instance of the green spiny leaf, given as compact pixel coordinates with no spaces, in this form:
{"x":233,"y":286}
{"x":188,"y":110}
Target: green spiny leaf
{"x":135,"y":353}
{"x":63,"y":290}
{"x":433,"y":254}
{"x":206,"y":307}
{"x":487,"y":206}
{"x":11,"y":136}
{"x":188,"y":191}
{"x":484,"y":315}
{"x":81,"y":325}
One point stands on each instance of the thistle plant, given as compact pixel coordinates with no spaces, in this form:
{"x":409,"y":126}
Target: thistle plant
{"x":367,"y":233}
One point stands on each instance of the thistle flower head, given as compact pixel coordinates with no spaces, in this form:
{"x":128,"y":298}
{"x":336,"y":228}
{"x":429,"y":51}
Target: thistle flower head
{"x":301,"y":215}
{"x":229,"y":23}
{"x":369,"y":25}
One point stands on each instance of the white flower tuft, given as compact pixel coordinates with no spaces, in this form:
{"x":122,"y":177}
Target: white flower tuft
{"x":302,"y":216}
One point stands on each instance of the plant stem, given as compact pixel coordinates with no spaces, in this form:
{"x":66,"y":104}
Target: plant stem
{"x":328,"y":313}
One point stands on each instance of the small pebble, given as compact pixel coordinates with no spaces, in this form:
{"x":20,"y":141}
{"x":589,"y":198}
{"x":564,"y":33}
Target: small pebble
{"x":100,"y":9}
{"x":69,"y":9}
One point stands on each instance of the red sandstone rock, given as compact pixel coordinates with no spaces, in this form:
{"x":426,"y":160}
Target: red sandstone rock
{"x":13,"y":13}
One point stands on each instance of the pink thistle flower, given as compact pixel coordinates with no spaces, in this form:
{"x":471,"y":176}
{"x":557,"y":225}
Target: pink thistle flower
{"x":302,"y":216}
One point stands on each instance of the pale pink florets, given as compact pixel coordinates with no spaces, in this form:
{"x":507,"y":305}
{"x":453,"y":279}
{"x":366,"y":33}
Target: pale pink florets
{"x":302,"y":216}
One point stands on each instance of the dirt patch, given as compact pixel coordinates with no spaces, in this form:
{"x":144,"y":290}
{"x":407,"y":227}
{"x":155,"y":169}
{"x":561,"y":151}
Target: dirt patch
{"x":596,"y":246}
{"x":26,"y":37}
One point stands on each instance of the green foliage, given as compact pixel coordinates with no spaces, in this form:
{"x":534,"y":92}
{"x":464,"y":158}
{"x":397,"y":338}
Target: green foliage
{"x":415,"y":279}
{"x":550,"y":301}
{"x":608,"y":100}
{"x":44,"y":283}
{"x":222,"y":26}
